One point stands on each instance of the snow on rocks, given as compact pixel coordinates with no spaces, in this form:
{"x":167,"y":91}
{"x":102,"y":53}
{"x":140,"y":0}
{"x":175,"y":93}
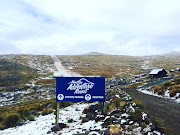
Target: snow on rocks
{"x":43,"y":124}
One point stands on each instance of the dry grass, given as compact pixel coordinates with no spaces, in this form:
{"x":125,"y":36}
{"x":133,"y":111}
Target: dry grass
{"x":104,"y":65}
{"x":46,"y":82}
{"x":173,"y":86}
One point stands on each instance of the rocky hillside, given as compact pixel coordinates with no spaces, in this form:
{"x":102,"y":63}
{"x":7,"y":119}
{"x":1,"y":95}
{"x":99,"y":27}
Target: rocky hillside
{"x":120,"y":115}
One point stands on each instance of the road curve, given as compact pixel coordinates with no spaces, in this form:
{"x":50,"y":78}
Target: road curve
{"x":160,"y":108}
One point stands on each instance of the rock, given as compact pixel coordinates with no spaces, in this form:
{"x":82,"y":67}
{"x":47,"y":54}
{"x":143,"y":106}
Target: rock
{"x":116,"y":134}
{"x":116,"y":112}
{"x":91,"y":116}
{"x":55,"y":129}
{"x":87,"y":132}
{"x":153,"y":127}
{"x":85,"y":119}
{"x":99,"y":118}
{"x":106,"y":132}
{"x":62,"y":125}
{"x":108,"y":122}
{"x":146,"y":121}
{"x":93,"y":108}
{"x":48,"y":132}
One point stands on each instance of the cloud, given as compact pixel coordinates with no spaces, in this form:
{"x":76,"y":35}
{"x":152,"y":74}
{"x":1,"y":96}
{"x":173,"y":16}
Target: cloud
{"x":8,"y":48}
{"x":76,"y":27}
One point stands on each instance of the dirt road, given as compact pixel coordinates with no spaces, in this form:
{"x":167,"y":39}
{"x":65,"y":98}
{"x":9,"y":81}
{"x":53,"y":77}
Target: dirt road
{"x":157,"y":107}
{"x":61,"y":71}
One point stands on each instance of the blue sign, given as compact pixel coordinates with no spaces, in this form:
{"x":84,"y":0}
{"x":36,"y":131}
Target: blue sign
{"x":77,"y":89}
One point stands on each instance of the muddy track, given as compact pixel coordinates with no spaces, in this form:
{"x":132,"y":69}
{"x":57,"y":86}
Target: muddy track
{"x":157,"y":107}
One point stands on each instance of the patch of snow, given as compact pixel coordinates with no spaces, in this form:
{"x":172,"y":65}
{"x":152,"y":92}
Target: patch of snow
{"x":144,"y":116}
{"x":40,"y":126}
{"x":93,"y":133}
{"x":176,"y":98}
{"x":123,"y":121}
{"x":43,"y":124}
{"x":131,"y":122}
{"x":124,"y":115}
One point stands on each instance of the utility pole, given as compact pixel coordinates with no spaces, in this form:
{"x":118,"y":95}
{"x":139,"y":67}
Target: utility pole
{"x":15,"y":79}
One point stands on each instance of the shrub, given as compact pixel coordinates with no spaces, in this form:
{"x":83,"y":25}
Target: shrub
{"x":111,"y":107}
{"x":143,"y":126}
{"x":64,"y":104}
{"x":11,"y":120}
{"x":47,"y":111}
{"x":31,"y":118}
{"x":1,"y":126}
{"x":1,"y":118}
{"x":24,"y":113}
{"x":137,"y":115}
{"x":158,"y":122}
{"x":44,"y":113}
{"x":158,"y":89}
{"x":167,"y":84}
{"x":77,"y":109}
{"x":177,"y":81}
{"x":70,"y":120}
{"x":174,"y":89}
{"x":139,"y":103}
{"x":123,"y":103}
{"x":34,"y":112}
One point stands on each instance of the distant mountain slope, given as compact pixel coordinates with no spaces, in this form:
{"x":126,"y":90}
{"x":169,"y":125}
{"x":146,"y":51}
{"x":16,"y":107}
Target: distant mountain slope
{"x":100,"y":64}
{"x":96,"y":53}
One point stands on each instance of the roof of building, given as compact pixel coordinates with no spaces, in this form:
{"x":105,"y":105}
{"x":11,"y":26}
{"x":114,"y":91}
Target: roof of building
{"x":155,"y":71}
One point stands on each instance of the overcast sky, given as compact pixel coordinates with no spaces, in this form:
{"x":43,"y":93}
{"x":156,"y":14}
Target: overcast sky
{"x":123,"y":27}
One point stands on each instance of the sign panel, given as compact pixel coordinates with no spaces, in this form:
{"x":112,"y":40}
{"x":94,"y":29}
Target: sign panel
{"x":77,"y":89}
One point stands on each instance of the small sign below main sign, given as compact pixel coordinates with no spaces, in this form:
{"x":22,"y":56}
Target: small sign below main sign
{"x":76,"y":89}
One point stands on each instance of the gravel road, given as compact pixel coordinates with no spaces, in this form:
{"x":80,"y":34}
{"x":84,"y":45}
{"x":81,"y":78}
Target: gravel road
{"x":61,"y":71}
{"x":166,"y":110}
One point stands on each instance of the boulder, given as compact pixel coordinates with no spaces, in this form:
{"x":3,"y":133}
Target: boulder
{"x":62,"y":125}
{"x":116,"y":112}
{"x":106,"y":132}
{"x":99,"y":118}
{"x":108,"y":122}
{"x":85,"y":119}
{"x":55,"y":129}
{"x":93,"y":108}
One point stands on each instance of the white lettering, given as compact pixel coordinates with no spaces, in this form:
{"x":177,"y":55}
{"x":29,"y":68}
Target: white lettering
{"x":81,"y":86}
{"x":96,"y":97}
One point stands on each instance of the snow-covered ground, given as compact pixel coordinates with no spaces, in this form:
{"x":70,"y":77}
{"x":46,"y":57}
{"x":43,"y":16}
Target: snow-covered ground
{"x":166,"y":95}
{"x":43,"y":124}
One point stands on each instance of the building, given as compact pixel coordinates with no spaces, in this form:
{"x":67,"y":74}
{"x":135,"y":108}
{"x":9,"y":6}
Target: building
{"x":171,"y":70}
{"x":177,"y":69}
{"x":157,"y":73}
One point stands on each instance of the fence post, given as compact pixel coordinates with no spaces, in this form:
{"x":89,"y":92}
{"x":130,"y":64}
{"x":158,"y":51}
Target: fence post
{"x":103,"y":109}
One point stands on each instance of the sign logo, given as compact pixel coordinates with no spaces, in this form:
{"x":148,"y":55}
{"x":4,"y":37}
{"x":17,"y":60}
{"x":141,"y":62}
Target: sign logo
{"x":81,"y":86}
{"x":60,"y":96}
{"x":87,"y":97}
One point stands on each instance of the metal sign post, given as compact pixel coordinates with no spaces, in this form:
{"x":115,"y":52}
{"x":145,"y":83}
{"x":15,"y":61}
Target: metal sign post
{"x":77,"y":89}
{"x":57,"y":114}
